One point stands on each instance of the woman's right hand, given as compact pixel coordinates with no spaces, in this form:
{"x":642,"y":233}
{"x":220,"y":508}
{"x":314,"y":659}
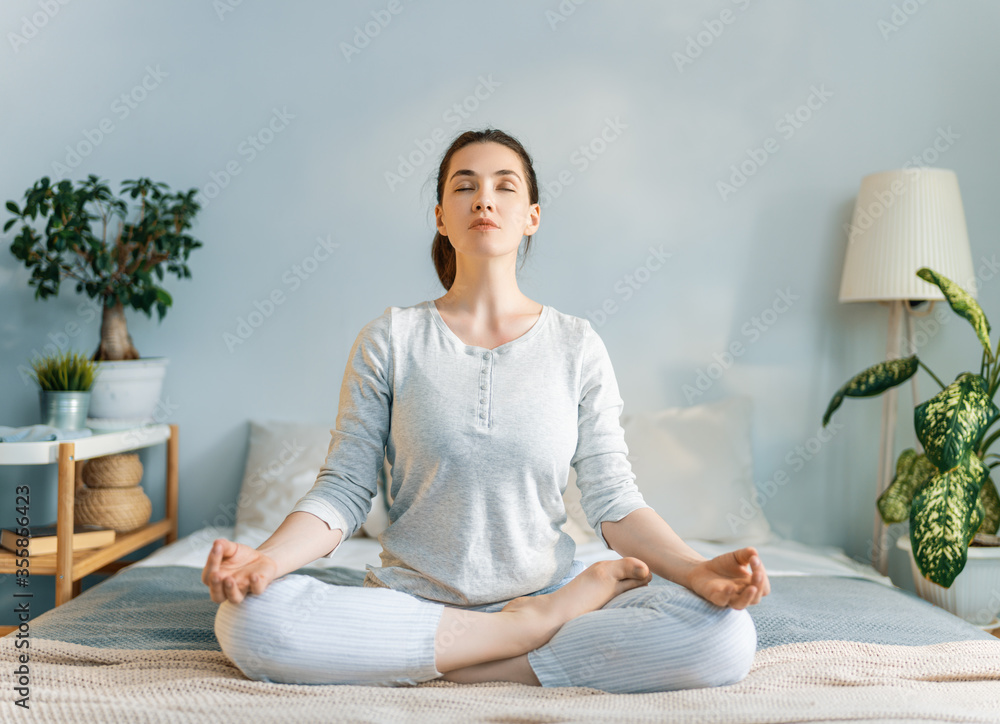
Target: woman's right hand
{"x":233,"y":569}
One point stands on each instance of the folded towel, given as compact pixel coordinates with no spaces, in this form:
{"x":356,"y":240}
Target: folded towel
{"x":40,"y":433}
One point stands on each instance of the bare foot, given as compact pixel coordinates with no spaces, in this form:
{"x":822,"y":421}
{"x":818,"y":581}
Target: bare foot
{"x":590,"y":590}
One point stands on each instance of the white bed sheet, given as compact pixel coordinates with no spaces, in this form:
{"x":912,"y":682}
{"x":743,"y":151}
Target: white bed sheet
{"x":781,"y":556}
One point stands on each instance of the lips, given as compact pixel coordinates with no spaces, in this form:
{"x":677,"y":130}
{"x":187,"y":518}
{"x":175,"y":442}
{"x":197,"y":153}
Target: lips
{"x":483,"y":224}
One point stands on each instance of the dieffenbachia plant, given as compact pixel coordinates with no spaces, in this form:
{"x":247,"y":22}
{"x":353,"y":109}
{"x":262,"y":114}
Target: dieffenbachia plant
{"x":946,"y":492}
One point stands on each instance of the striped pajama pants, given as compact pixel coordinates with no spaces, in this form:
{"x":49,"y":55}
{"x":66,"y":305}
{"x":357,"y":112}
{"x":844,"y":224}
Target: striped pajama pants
{"x":658,"y":637}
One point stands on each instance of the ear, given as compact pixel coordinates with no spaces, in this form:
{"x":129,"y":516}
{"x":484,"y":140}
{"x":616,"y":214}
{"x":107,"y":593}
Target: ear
{"x":534,"y":219}
{"x":439,"y":220}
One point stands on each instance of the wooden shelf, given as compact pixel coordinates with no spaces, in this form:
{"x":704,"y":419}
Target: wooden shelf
{"x":89,"y":560}
{"x":68,"y":566}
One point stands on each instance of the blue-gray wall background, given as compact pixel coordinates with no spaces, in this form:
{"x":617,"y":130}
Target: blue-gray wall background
{"x":338,"y":94}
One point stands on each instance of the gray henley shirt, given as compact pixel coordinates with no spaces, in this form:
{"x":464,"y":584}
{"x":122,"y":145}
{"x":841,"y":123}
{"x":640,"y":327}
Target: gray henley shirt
{"x":480,"y":442}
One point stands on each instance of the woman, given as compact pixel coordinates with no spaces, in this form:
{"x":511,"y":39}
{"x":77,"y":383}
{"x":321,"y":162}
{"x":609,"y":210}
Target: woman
{"x":481,"y":400}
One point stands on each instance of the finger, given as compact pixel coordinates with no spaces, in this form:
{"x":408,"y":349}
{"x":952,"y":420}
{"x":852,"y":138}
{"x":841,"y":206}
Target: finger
{"x":745,"y":597}
{"x":759,"y":578}
{"x":745,"y":555}
{"x":233,"y":593}
{"x":257,"y":584}
{"x":212,"y":563}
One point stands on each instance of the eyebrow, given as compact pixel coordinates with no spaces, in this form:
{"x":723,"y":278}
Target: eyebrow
{"x":468,"y":172}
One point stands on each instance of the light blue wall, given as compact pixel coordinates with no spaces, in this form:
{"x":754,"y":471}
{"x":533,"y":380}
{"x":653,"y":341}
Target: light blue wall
{"x":885,"y":91}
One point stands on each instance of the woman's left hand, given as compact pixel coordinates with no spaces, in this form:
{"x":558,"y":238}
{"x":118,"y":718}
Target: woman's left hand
{"x":735,"y":579}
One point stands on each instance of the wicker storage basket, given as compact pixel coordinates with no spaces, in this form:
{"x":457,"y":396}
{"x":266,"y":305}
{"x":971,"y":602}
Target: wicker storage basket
{"x":123,"y":509}
{"x":112,"y":471}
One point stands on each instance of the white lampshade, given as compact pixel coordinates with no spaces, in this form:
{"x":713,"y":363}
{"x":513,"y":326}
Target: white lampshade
{"x":904,"y":220}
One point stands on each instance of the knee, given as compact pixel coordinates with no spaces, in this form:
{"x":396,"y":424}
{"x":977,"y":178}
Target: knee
{"x":728,"y":645}
{"x":248,"y":632}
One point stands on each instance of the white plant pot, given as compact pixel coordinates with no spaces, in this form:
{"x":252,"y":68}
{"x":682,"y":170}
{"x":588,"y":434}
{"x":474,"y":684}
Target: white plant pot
{"x":128,"y":389}
{"x":974,"y":594}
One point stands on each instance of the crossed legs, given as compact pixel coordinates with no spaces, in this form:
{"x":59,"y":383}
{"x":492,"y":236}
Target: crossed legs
{"x":604,"y":628}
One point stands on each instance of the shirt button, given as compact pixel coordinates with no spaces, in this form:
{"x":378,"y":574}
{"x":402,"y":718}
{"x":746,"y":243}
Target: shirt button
{"x":482,"y":415}
{"x":482,"y":386}
{"x":483,"y":400}
{"x":486,"y":355}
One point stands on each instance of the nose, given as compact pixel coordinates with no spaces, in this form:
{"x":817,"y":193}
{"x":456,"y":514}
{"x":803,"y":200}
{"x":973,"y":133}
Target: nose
{"x":484,"y":202}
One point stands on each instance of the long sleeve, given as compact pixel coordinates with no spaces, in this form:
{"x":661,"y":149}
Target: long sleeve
{"x":348,"y":480}
{"x":603,"y":472}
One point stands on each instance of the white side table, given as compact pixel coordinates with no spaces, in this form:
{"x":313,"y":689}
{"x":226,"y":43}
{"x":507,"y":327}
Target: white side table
{"x":68,"y":567}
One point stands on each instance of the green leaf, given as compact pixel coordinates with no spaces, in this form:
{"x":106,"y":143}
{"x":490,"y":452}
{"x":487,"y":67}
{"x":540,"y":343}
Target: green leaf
{"x":913,"y":472}
{"x":963,"y":304}
{"x":941,"y":519}
{"x":976,"y":517}
{"x":12,"y":208}
{"x":873,"y":381}
{"x":950,"y":424}
{"x":9,"y":224}
{"x":991,"y":505}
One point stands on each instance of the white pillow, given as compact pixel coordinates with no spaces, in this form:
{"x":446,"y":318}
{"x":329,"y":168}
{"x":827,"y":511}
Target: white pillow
{"x":694,"y":466}
{"x":282,"y":464}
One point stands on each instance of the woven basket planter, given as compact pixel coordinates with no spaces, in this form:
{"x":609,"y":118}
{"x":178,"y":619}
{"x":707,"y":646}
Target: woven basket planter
{"x":112,"y":471}
{"x":123,"y":509}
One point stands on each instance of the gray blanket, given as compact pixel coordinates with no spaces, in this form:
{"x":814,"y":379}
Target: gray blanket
{"x":168,"y":607}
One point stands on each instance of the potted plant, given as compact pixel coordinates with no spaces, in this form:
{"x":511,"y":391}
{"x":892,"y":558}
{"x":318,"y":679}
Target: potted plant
{"x":121,"y":270}
{"x":946,"y":491}
{"x":64,"y":382}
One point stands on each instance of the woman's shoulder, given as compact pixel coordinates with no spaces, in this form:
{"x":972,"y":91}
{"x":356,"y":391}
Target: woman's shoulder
{"x":573,"y":329}
{"x":393,"y":319}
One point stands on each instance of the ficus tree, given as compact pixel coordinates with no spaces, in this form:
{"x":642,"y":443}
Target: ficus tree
{"x":123,"y":265}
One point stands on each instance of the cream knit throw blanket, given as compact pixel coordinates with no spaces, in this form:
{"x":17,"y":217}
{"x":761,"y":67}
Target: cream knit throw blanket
{"x":828,"y":681}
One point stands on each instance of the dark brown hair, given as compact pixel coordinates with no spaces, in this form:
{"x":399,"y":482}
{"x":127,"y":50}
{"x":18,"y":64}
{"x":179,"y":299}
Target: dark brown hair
{"x":442,"y":252}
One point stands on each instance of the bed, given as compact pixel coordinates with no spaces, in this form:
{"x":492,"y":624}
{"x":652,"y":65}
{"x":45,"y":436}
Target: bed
{"x":836,"y":640}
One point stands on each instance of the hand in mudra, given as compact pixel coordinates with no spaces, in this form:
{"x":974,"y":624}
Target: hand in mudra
{"x":234,"y":569}
{"x":735,"y":579}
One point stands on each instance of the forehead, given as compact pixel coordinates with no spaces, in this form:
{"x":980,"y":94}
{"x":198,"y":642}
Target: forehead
{"x":485,"y":159}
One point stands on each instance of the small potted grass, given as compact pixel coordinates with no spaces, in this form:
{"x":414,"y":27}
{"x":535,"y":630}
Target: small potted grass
{"x":64,"y":380}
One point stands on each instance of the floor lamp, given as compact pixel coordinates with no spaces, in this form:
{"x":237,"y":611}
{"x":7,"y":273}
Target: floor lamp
{"x":903,"y":220}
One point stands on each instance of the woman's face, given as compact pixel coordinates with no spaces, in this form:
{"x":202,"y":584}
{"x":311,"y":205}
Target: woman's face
{"x":486,"y":182}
